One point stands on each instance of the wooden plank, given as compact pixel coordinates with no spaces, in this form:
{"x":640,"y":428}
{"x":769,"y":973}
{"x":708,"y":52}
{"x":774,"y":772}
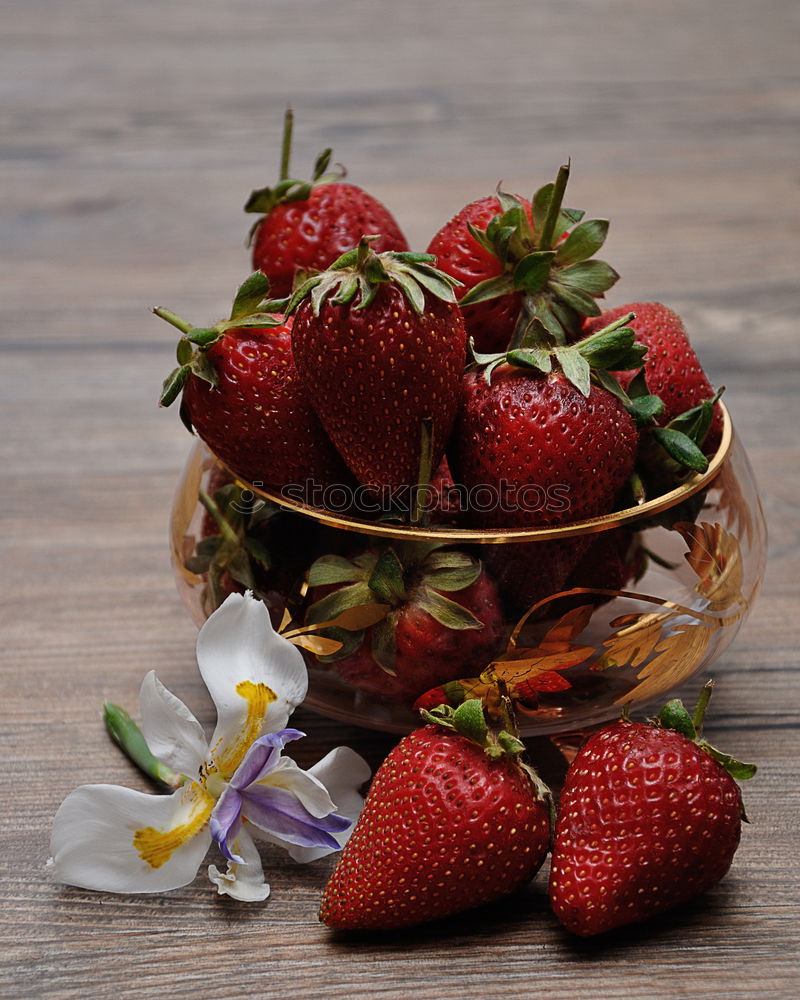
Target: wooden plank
{"x":132,"y":134}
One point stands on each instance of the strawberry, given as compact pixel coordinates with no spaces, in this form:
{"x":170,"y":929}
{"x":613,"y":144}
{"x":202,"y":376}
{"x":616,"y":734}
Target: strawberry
{"x":380,"y":346}
{"x":519,"y":261}
{"x":306,"y":226}
{"x":671,"y":366}
{"x":649,"y":817}
{"x":491,"y":322}
{"x":453,"y":820}
{"x":549,"y":444}
{"x":442,"y":615}
{"x":242,"y":395}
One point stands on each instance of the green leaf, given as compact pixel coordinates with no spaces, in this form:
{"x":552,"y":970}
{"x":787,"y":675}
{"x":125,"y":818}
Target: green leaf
{"x":445,"y":611}
{"x":575,"y":367}
{"x":696,"y":422}
{"x":321,"y":164}
{"x":470,"y":722}
{"x":184,"y":351}
{"x":681,"y":447}
{"x":334,"y":604}
{"x":332,"y":569}
{"x":411,"y":290}
{"x":198,"y":564}
{"x":240,"y":569}
{"x":592,"y":276}
{"x":638,"y":385}
{"x":531,"y":357}
{"x":580,"y":301}
{"x":736,"y":768}
{"x":439,"y":285}
{"x":645,"y":409}
{"x":173,"y":385}
{"x":386,"y":580}
{"x":201,"y":367}
{"x":250,"y":293}
{"x":347,"y":290}
{"x":583,"y":242}
{"x":606,"y":348}
{"x":453,"y":578}
{"x":539,"y":205}
{"x":532,"y":272}
{"x":481,"y":237}
{"x":384,"y":645}
{"x":203,"y":336}
{"x":258,"y":551}
{"x":674,"y":716}
{"x":492,"y":288}
{"x":610,"y":384}
{"x":263,"y":320}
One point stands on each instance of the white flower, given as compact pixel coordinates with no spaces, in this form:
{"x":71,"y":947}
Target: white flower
{"x":118,"y":840}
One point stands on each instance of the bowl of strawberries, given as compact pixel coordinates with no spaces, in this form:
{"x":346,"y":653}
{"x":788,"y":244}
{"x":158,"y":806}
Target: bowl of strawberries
{"x":449,"y":471}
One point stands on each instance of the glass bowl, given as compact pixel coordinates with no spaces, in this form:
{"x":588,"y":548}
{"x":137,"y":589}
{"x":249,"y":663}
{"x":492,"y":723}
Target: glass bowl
{"x":655,"y":593}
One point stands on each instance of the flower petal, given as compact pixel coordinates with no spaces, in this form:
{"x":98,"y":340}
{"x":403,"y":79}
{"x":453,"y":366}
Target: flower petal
{"x":255,"y":677}
{"x":243,"y":880}
{"x":309,"y":790}
{"x":278,"y":812}
{"x":262,"y":756}
{"x":342,"y":772}
{"x":118,"y":840}
{"x":226,"y":821}
{"x":171,"y":731}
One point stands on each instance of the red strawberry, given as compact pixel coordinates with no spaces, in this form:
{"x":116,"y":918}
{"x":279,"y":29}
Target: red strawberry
{"x":442,"y":617}
{"x":649,"y":817}
{"x":551,"y":453}
{"x":380,"y":345}
{"x":671,"y":366}
{"x":242,"y":395}
{"x":519,"y":260}
{"x":306,"y":226}
{"x":491,"y":323}
{"x":451,"y":821}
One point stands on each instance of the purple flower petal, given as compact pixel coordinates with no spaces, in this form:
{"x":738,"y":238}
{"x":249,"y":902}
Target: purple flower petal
{"x":226,"y":821}
{"x":276,"y":810}
{"x":262,"y":756}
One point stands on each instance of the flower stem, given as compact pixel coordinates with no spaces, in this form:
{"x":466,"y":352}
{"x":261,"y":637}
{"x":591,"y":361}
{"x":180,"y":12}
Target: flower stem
{"x":129,"y":738}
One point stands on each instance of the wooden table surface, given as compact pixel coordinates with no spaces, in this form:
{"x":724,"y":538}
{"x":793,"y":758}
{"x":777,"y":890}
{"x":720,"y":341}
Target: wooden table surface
{"x":134,"y":129}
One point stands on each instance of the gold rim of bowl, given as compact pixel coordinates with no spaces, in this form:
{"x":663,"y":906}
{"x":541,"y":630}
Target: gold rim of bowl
{"x":496,"y":536}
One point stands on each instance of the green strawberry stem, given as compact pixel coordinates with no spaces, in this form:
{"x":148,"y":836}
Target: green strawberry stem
{"x":554,"y":208}
{"x":286,"y":143}
{"x":493,"y":727}
{"x":130,"y":739}
{"x":171,"y":318}
{"x":674,"y":716}
{"x":227,"y":532}
{"x":420,"y":512}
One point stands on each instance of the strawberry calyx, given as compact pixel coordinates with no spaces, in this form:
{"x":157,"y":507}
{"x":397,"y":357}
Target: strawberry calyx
{"x":237,"y":550}
{"x":548,"y":262}
{"x":356,"y":276}
{"x":263,"y":200}
{"x":492,"y":727}
{"x":611,"y":349}
{"x":391,"y":578}
{"x":676,"y":717}
{"x":252,"y":307}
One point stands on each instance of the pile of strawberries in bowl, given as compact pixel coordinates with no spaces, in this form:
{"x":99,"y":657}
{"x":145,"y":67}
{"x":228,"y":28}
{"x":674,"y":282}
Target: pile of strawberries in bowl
{"x":449,"y":469}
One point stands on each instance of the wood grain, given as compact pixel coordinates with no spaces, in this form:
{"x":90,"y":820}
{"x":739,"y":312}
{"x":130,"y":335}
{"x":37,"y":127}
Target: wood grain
{"x":132,"y":132}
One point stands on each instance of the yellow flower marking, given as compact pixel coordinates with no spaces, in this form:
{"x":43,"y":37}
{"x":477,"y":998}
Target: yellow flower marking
{"x":156,"y":847}
{"x":258,"y":698}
